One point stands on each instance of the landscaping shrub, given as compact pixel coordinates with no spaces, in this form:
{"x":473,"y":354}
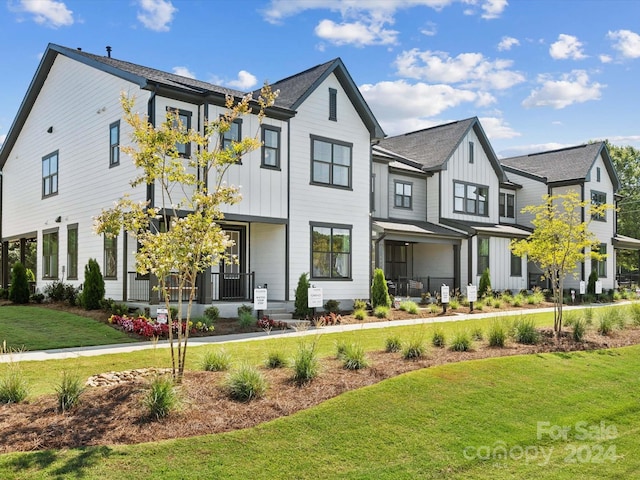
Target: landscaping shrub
{"x":461,"y":341}
{"x":409,"y":306}
{"x":477,"y":334}
{"x":438,"y":338}
{"x":332,"y":306}
{"x":13,"y":386}
{"x":306,"y":365}
{"x":302,"y":297}
{"x":606,"y":323}
{"x":37,"y":297}
{"x":579,"y":329}
{"x":359,"y":305}
{"x":216,"y":360}
{"x":68,"y":391}
{"x":525,"y":331}
{"x":414,"y":349}
{"x":276,"y":359}
{"x":247,"y":319}
{"x":93,"y":291}
{"x":454,"y":304}
{"x":19,"y":289}
{"x":635,"y":313}
{"x":354,"y":357}
{"x":518,"y":300}
{"x":496,"y":303}
{"x":360,"y":314}
{"x":162,"y":398}
{"x":246,"y":383}
{"x":245,"y":309}
{"x":434,"y":308}
{"x":392,"y":344}
{"x":381,"y":311}
{"x":591,"y":283}
{"x":379,"y":290}
{"x":497,"y":335}
{"x":484,"y":287}
{"x":212,"y":313}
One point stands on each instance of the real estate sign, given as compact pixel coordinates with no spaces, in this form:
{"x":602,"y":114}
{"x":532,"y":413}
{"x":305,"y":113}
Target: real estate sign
{"x":259,"y":298}
{"x":314,"y":297}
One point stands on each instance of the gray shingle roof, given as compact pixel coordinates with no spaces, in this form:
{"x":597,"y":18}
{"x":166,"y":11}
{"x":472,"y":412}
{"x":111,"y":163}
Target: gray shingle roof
{"x":564,"y":165}
{"x":431,"y":147}
{"x":294,"y":88}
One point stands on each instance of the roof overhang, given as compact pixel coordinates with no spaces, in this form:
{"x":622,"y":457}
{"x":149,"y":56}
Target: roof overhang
{"x":415,"y":231}
{"x":626,"y":243}
{"x":490,"y":229}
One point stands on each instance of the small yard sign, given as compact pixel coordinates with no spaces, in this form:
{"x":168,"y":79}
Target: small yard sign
{"x":444,"y":293}
{"x":583,"y":287}
{"x":598,"y":287}
{"x":259,"y":298}
{"x":162,"y":315}
{"x":314,"y":297}
{"x":472,"y":293}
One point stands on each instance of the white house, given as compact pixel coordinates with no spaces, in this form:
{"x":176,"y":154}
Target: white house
{"x":444,"y":210}
{"x":305,"y":204}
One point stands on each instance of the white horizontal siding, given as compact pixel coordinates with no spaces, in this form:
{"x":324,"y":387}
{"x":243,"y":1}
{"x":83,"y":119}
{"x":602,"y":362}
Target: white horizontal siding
{"x":268,"y":257}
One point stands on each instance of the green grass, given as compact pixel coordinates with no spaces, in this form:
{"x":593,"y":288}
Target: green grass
{"x":428,"y":424}
{"x":38,"y":328}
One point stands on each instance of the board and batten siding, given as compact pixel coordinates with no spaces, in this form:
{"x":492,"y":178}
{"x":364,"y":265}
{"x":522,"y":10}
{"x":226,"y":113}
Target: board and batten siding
{"x":433,"y":198}
{"x":480,"y":172}
{"x":79,"y":103}
{"x":325,"y":204}
{"x":418,"y":210}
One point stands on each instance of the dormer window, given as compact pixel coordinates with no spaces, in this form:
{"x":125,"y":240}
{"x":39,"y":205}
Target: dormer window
{"x":333,"y":104}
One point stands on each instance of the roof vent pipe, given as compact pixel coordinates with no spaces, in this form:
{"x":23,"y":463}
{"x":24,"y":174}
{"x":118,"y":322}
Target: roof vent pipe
{"x":108,"y":51}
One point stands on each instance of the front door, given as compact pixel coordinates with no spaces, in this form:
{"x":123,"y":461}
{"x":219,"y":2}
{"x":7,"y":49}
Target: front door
{"x":233,"y":281}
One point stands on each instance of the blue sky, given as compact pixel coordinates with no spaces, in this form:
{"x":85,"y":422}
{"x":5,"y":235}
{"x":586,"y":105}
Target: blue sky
{"x":539,"y":74}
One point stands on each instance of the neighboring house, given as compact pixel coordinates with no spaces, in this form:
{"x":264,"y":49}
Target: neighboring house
{"x":443,"y":210}
{"x":587,"y":170}
{"x":305,"y":204}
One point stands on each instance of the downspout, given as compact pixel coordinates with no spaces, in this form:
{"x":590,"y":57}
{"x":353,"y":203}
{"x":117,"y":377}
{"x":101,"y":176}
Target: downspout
{"x":287,"y":248}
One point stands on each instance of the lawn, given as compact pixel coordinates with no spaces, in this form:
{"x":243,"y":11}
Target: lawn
{"x":38,"y":328}
{"x":556,"y":416}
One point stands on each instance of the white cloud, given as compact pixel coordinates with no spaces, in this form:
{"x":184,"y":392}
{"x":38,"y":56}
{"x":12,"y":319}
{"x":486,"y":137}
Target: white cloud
{"x":507,"y":43}
{"x":400,"y":106}
{"x":356,"y":33}
{"x":430,"y":29}
{"x":493,"y":8}
{"x":571,"y":88}
{"x":567,"y":46}
{"x":156,"y":14}
{"x":626,"y":42}
{"x":496,"y":127}
{"x":605,"y":58}
{"x":184,"y":71}
{"x":45,"y":12}
{"x":245,"y":81}
{"x":467,"y":69}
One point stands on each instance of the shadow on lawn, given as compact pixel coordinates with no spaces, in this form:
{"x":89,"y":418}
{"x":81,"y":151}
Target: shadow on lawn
{"x":73,"y":467}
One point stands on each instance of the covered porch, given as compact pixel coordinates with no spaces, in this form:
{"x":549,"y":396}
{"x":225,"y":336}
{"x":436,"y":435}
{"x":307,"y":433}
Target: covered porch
{"x":629,"y":274}
{"x":417,"y":257}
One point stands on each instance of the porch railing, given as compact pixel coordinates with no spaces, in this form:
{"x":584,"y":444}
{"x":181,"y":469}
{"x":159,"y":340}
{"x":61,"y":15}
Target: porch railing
{"x":416,"y":286}
{"x":232,"y":286}
{"x":139,"y":289}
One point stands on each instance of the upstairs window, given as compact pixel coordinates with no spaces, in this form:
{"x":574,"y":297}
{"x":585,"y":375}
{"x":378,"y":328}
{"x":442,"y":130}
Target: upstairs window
{"x":333,"y":104}
{"x":184,"y":120}
{"x":270,"y":146}
{"x":597,"y":174}
{"x":331,"y":162}
{"x":50,"y":174}
{"x":598,"y":198}
{"x":233,"y":135}
{"x":114,"y":144}
{"x":471,"y":147}
{"x":403,"y":195}
{"x":470,"y":198}
{"x":507,"y":205}
{"x":331,"y":251}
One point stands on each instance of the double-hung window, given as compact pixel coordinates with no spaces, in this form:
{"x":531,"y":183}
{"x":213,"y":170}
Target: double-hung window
{"x":114,"y":144}
{"x":600,"y":266}
{"x":403,"y":198}
{"x":516,"y":265}
{"x":470,"y":198}
{"x":270,"y":146}
{"x":330,"y":251}
{"x":50,"y":174}
{"x":331,"y":162}
{"x":507,"y":205}
{"x":182,"y":120}
{"x":50,"y":254}
{"x":72,"y":252}
{"x":598,"y":198}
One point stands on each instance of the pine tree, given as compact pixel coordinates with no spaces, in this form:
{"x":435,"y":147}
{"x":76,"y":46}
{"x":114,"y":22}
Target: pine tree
{"x":93,"y":292}
{"x":379,"y":290}
{"x":19,"y":290}
{"x":302,"y":297}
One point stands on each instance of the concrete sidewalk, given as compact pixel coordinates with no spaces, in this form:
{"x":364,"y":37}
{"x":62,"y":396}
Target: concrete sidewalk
{"x":77,"y":352}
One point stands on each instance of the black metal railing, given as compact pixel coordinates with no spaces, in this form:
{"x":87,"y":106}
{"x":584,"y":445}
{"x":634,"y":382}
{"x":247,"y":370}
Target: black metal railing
{"x":416,"y":286}
{"x":232,"y":286}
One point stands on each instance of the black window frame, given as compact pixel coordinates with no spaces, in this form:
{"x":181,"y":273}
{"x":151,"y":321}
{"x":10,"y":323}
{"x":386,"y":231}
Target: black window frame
{"x":50,"y":182}
{"x":185,"y":118}
{"x":333,"y":104}
{"x":110,"y":246}
{"x":114,"y":147}
{"x":598,"y":198}
{"x":483,"y":264}
{"x":507,"y":205}
{"x":516,"y":265}
{"x":72,"y":252}
{"x":598,"y":174}
{"x":331,"y":164}
{"x":227,"y":138}
{"x":466,"y":198}
{"x":333,"y":275}
{"x":266,"y":148}
{"x":50,"y":259}
{"x":399,"y":198}
{"x":600,"y":266}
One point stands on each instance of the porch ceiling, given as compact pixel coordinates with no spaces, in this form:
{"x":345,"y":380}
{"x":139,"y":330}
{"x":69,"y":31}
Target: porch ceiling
{"x":624,"y":242}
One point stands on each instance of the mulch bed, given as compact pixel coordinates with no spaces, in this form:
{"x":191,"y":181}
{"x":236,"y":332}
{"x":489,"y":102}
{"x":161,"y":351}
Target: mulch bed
{"x":114,"y":414}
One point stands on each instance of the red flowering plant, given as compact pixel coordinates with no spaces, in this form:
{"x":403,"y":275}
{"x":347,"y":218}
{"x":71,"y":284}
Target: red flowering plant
{"x":149,"y":328}
{"x":267,"y":323}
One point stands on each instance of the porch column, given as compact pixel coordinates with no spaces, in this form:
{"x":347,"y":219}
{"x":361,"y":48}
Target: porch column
{"x":204,"y":287}
{"x":456,"y":266}
{"x":5,"y":264}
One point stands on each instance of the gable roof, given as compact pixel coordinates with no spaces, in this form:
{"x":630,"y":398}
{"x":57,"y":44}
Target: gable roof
{"x":433,"y":147}
{"x":565,"y":166}
{"x":295,"y":89}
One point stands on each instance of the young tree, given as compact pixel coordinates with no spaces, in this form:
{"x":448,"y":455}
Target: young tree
{"x":302,"y":297}
{"x":93,"y":291}
{"x":181,"y":237}
{"x":380,"y":290}
{"x":560,"y":241}
{"x":19,"y":289}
